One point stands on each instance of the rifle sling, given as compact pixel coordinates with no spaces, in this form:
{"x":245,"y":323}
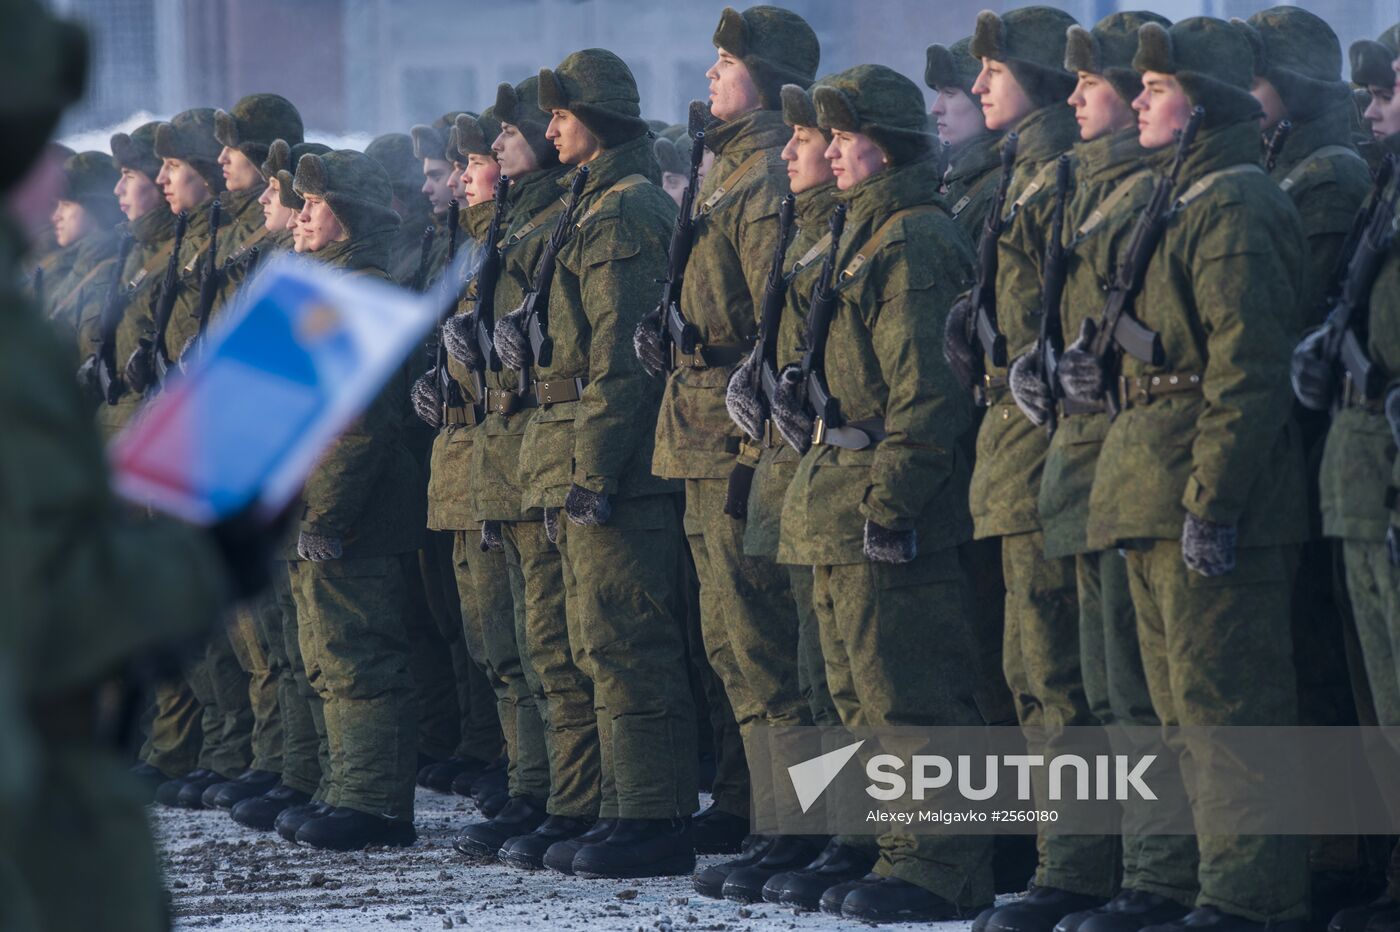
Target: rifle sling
{"x":1038,"y":183}
{"x":872,"y":245}
{"x":71,"y":297}
{"x":1326,"y":152}
{"x":533,"y":224}
{"x":1108,"y":205}
{"x":1206,"y":182}
{"x":812,"y":255}
{"x":631,"y":181}
{"x":732,"y":179}
{"x":162,"y":257}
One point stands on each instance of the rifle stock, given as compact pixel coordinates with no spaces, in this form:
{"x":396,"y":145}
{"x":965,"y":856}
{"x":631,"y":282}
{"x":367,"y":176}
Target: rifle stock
{"x":774,"y":297}
{"x":108,"y":378}
{"x":823,"y":307}
{"x":985,"y":338}
{"x":210,"y":276}
{"x":675,"y":329}
{"x":485,"y":319}
{"x":1276,"y":144}
{"x":162,"y":361}
{"x":537,"y":301}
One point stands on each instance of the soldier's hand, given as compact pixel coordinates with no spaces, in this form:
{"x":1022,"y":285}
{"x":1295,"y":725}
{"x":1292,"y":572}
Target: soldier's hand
{"x":741,"y":396}
{"x":1206,"y":547}
{"x":459,"y":337}
{"x":883,"y":545}
{"x":1392,"y":412}
{"x":140,"y":369}
{"x":1028,"y":388}
{"x":1081,"y":371}
{"x":491,"y":538}
{"x":957,"y":348}
{"x":790,"y":409}
{"x":319,"y":548}
{"x":87,"y":377}
{"x":1392,"y":545}
{"x":551,"y":525}
{"x":1309,"y":372}
{"x":509,"y":337}
{"x":649,"y":344}
{"x":587,"y":507}
{"x":427,"y":400}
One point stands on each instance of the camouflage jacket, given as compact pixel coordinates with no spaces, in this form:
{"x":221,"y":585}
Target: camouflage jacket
{"x":778,"y":462}
{"x":724,"y":279}
{"x":604,"y":283}
{"x":884,"y":361}
{"x":971,"y":178}
{"x":1222,"y":293}
{"x":1113,"y":167}
{"x":366,"y":489}
{"x":535,"y":203}
{"x":1327,"y":188}
{"x":74,"y":300}
{"x":1010,"y":449}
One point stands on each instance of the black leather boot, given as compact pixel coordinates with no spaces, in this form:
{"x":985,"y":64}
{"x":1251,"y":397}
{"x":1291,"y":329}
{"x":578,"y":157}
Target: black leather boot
{"x":526,"y":852}
{"x":834,"y":898}
{"x":491,"y":780}
{"x":788,"y":852}
{"x":168,"y":793}
{"x":1039,"y":910}
{"x":261,"y":812}
{"x":344,"y":829}
{"x":481,"y":840}
{"x":837,"y":864}
{"x":890,"y":899}
{"x":560,"y":856}
{"x":291,"y":819}
{"x":718,"y":832}
{"x":149,"y":778}
{"x":1129,"y":911}
{"x":440,"y":777}
{"x":1380,"y":915}
{"x":247,"y":785}
{"x":710,"y":881}
{"x":1210,"y":919}
{"x":639,"y":848}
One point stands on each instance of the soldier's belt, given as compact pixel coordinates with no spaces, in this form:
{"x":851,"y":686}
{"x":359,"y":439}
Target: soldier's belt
{"x":1353,"y":396}
{"x":991,"y":390}
{"x":559,"y":391}
{"x":1144,"y":391}
{"x":708,"y":357}
{"x":1070,"y":408}
{"x":506,"y":402}
{"x":463,"y":416}
{"x":853,"y":435}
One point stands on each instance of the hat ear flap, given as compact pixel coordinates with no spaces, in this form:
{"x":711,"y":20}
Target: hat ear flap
{"x":732,"y":33}
{"x":988,"y":38}
{"x":939,"y":70}
{"x":1256,"y":44}
{"x":427,"y":144}
{"x":1370,"y":63}
{"x":834,"y":109}
{"x":167,"y":146}
{"x":552,"y":96}
{"x":310,"y":177}
{"x":226,"y":128}
{"x":507,"y":103}
{"x":1154,"y":50}
{"x":1082,"y":52}
{"x":797,"y":106}
{"x":468,"y":136}
{"x":279,"y":156}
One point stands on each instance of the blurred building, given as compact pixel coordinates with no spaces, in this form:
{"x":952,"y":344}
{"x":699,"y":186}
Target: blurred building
{"x":379,"y":65}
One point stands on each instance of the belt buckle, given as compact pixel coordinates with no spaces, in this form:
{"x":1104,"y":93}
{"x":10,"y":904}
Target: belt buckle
{"x":819,"y":431}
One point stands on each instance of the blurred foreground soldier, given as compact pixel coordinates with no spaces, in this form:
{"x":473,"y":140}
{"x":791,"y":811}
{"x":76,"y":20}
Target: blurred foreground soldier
{"x":43,"y":255}
{"x":394,"y":153}
{"x":747,"y":612}
{"x":585,"y":460}
{"x":361,"y":524}
{"x":888,"y":584}
{"x":90,"y":593}
{"x":1023,"y":88}
{"x":1201,"y":479}
{"x":82,"y":225}
{"x":430,"y":148}
{"x":971,"y":176}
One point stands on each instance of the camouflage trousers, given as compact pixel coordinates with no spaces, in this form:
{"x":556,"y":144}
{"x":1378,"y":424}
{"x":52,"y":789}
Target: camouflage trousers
{"x":433,"y":642}
{"x":811,"y":663}
{"x":226,"y":717}
{"x":176,"y":734}
{"x":305,"y":752}
{"x":625,"y":630}
{"x":1218,"y":651}
{"x":250,"y":635}
{"x":571,"y":727}
{"x":522,"y":706}
{"x":982,"y":558}
{"x":899,"y":650}
{"x":352,"y":616}
{"x":1040,"y":656}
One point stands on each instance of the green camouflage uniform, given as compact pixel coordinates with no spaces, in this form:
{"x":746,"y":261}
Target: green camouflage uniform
{"x":1222,"y":294}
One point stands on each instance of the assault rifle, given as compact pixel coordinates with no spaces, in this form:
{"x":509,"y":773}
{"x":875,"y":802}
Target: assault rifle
{"x":823,"y":308}
{"x":1118,"y":331}
{"x":425,"y":248}
{"x":1275,"y":146}
{"x":211,"y":276}
{"x":108,"y":378}
{"x":485,"y":314}
{"x":771,"y":315}
{"x":1051,"y":342}
{"x":536,"y":305}
{"x":166,"y":303}
{"x":676,"y":331}
{"x":448,"y":389}
{"x":984,"y":337}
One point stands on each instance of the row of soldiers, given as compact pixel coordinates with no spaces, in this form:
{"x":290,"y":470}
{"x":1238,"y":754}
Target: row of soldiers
{"x":994,"y":430}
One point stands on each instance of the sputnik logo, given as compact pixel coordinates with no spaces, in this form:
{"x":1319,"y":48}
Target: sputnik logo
{"x":811,"y":777}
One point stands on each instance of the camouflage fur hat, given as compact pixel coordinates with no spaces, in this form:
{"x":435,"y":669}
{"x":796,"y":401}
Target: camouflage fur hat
{"x":673,"y":153}
{"x":281,"y":162}
{"x":430,"y":139}
{"x":1300,"y":56}
{"x":519,"y":105}
{"x":473,"y":135}
{"x":878,"y":102}
{"x":951,"y":66}
{"x":1210,"y":59}
{"x":355,"y":187}
{"x":137,"y":150}
{"x":597,"y":87}
{"x":1031,"y":41}
{"x":394,"y":153}
{"x":1371,"y":59}
{"x":189,"y":137}
{"x":255,"y":121}
{"x":91,"y":177}
{"x":43,"y":68}
{"x":776,"y":45}
{"x":1108,"y":49}
{"x":799,"y":109}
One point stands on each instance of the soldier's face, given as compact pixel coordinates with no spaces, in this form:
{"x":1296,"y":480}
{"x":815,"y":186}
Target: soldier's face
{"x":136,"y":194}
{"x":513,"y":152}
{"x":240,"y":174}
{"x":319,"y":226}
{"x":71,"y":223}
{"x":1162,"y":109}
{"x":673,"y":183}
{"x":298,"y":238}
{"x":732,"y":91}
{"x":853,"y":158}
{"x":805,"y":154}
{"x":575,"y":142}
{"x":454,"y":182}
{"x":435,"y":172}
{"x":1384,"y":112}
{"x":1275,"y":112}
{"x":958,"y":116}
{"x":479,"y":180}
{"x":1004,"y":102}
{"x":1099,"y":108}
{"x":276,"y":215}
{"x":182,"y":186}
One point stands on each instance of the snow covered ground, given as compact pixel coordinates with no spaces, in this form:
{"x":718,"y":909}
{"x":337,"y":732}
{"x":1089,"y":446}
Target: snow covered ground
{"x":223,"y":876}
